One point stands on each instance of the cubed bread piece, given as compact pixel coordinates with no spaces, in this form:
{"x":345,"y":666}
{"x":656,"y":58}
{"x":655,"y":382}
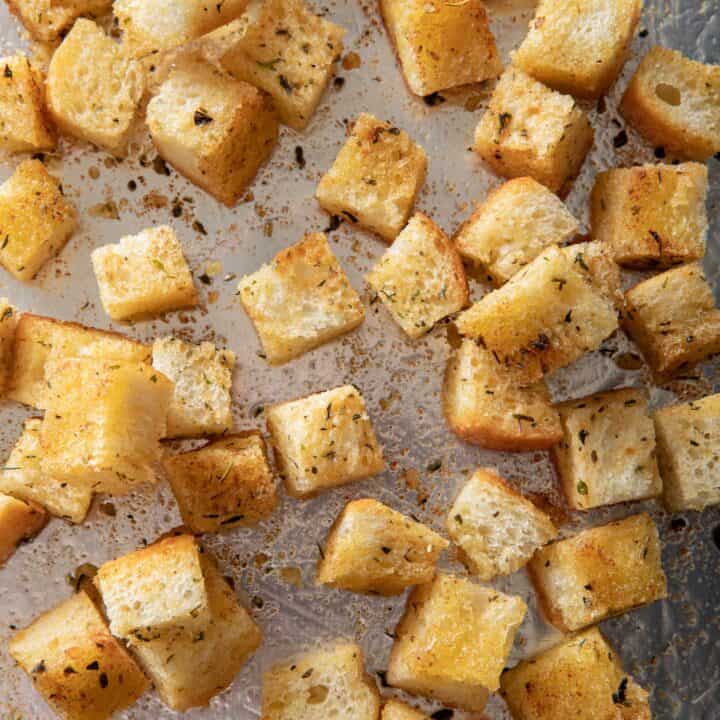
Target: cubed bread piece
{"x":652,"y":215}
{"x":688,"y":442}
{"x":107,"y":438}
{"x":93,"y":88}
{"x":441,"y":45}
{"x":144,"y":274}
{"x":420,"y":278}
{"x":600,"y":572}
{"x":215,"y":130}
{"x":374,"y":549}
{"x":579,"y":46}
{"x":283,"y":48}
{"x":300,"y":300}
{"x":189,"y":666}
{"x":35,"y":219}
{"x":48,"y":20}
{"x":495,"y":527}
{"x":329,"y":682}
{"x":78,"y":667}
{"x":396,"y":710}
{"x":202,"y":376}
{"x":19,"y":521}
{"x":23,"y":478}
{"x":512,"y":226}
{"x":675,"y":103}
{"x":375,"y":178}
{"x":24,"y":125}
{"x":545,"y":317}
{"x":580,"y":678}
{"x":38,"y":339}
{"x":8,"y":328}
{"x":224,"y":484}
{"x":594,"y":260}
{"x":607,"y":455}
{"x":529,"y":129}
{"x":673,"y":318}
{"x":453,"y":641}
{"x":324,"y":440}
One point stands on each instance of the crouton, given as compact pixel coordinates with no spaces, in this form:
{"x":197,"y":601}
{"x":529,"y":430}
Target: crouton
{"x":375,"y":178}
{"x":324,"y":440}
{"x":109,"y":438}
{"x":688,"y":441}
{"x":93,"y":88}
{"x":600,"y":572}
{"x":545,"y":317}
{"x":496,"y":528}
{"x":215,"y":130}
{"x":35,"y":219}
{"x":19,"y":521}
{"x":675,"y":103}
{"x":224,"y":484}
{"x":529,"y":129}
{"x":8,"y":328}
{"x":144,"y":274}
{"x":328,"y":682}
{"x":190,"y":665}
{"x":673,"y":319}
{"x":78,"y":667}
{"x":453,"y":641}
{"x":607,"y":455}
{"x":396,"y":710}
{"x":593,"y":260}
{"x":48,"y":20}
{"x":38,"y":339}
{"x":490,"y":404}
{"x":514,"y":224}
{"x":652,"y":215}
{"x":300,"y":300}
{"x":202,"y":376}
{"x":579,"y":47}
{"x":420,"y":278}
{"x":24,"y":126}
{"x":580,"y":678}
{"x":441,"y":45}
{"x":283,"y":48}
{"x":374,"y":549}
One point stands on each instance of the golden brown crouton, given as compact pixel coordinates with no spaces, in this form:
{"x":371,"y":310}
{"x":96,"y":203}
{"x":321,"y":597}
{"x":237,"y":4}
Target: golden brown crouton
{"x":396,"y":710}
{"x":19,"y":521}
{"x":48,"y":20}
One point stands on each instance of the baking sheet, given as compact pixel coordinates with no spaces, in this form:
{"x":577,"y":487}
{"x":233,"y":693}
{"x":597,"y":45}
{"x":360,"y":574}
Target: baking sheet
{"x":671,"y":647}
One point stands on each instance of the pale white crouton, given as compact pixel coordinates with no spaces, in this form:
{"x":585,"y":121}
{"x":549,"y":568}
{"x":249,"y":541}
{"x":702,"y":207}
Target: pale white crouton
{"x":48,"y":20}
{"x":19,"y":521}
{"x":396,"y":710}
{"x":8,"y":330}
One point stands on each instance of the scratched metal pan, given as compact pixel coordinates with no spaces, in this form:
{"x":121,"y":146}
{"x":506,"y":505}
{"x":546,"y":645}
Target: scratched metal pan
{"x":671,"y":647}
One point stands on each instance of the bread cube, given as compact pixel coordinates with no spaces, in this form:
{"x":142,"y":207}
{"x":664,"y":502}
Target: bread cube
{"x":374,"y":549}
{"x":673,"y":318}
{"x":300,"y":300}
{"x":328,"y":682}
{"x":453,"y":641}
{"x":78,"y":667}
{"x":215,"y":130}
{"x":495,"y":527}
{"x":48,"y":20}
{"x":396,"y":710}
{"x":675,"y":103}
{"x":35,"y":220}
{"x":579,"y":47}
{"x":514,"y":224}
{"x":93,"y":88}
{"x":8,"y":328}
{"x":652,"y":215}
{"x":441,"y":45}
{"x":190,"y":665}
{"x":420,"y":278}
{"x":24,"y":126}
{"x":202,"y":376}
{"x":19,"y":521}
{"x":375,"y":178}
{"x":144,"y":274}
{"x":688,"y":441}
{"x":283,"y":48}
{"x":580,"y":678}
{"x":594,"y":261}
{"x":529,"y":129}
{"x":324,"y":440}
{"x":545,"y":317}
{"x":224,"y":484}
{"x":607,"y":455}
{"x":600,"y":572}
